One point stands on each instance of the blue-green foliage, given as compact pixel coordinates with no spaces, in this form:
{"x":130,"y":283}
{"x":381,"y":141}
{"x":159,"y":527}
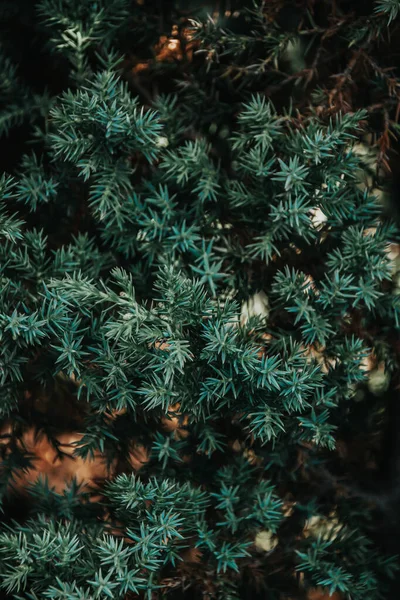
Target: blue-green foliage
{"x":130,"y":241}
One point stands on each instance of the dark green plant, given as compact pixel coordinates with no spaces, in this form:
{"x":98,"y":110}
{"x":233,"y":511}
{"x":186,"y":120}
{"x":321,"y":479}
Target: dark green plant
{"x":196,"y":269}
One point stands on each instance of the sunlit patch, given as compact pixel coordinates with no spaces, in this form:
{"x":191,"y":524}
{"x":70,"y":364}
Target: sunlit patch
{"x":58,"y":468}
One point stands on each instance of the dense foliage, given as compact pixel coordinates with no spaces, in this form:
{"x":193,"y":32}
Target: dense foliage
{"x":196,"y":286}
